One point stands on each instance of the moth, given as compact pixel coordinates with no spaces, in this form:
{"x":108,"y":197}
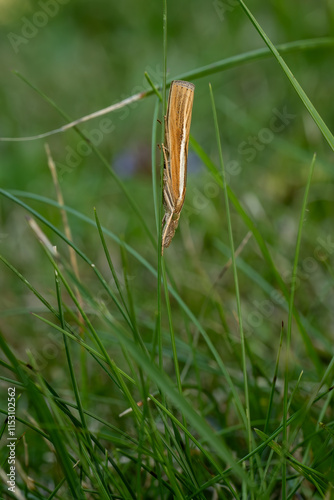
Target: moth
{"x":175,"y":151}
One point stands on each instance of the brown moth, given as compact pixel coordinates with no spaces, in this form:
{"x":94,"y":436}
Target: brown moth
{"x":175,"y":150}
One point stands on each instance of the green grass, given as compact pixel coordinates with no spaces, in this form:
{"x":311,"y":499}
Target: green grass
{"x":206,"y":373}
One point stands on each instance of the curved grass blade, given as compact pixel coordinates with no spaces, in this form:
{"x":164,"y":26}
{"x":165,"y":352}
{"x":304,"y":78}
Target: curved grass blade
{"x":302,"y":94}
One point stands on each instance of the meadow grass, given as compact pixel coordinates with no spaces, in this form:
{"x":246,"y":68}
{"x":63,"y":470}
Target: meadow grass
{"x":166,"y":379}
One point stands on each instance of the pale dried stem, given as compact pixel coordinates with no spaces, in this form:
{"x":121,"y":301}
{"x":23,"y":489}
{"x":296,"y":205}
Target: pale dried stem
{"x":67,"y":229}
{"x":96,"y":114}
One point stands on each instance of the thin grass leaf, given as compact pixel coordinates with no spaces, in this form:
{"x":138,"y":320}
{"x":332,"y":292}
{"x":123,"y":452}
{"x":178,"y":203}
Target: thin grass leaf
{"x":155,"y":184}
{"x":216,"y":67}
{"x":153,"y":87}
{"x":291,"y":309}
{"x":315,"y":477}
{"x":111,"y":266}
{"x":311,"y":351}
{"x":103,"y":160}
{"x":165,"y":384}
{"x":46,"y":417}
{"x":236,"y":284}
{"x":254,"y":55}
{"x":270,"y":291}
{"x":182,"y":304}
{"x":304,"y":98}
{"x":270,"y":405}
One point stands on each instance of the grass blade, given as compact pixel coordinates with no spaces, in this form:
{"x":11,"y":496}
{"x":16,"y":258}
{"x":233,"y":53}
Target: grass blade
{"x":304,"y":98}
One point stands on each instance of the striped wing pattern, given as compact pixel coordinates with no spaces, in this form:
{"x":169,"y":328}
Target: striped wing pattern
{"x":175,"y":149}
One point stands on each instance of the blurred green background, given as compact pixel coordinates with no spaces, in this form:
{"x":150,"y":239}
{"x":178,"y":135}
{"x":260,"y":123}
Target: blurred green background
{"x":87,"y":55}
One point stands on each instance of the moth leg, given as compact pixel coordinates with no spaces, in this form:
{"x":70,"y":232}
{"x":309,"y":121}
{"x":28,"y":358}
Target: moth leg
{"x":168,"y":198}
{"x":169,"y":221}
{"x":166,"y":155}
{"x":167,"y":231}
